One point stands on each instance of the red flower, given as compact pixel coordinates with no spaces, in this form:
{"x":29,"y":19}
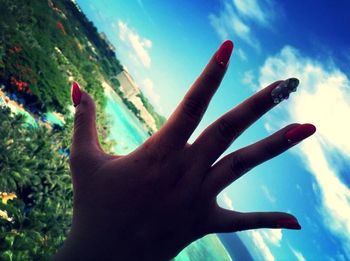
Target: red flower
{"x":61,"y":27}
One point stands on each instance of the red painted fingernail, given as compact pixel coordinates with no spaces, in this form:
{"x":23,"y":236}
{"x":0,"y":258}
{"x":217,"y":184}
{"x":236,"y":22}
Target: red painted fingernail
{"x":223,"y":54}
{"x":300,"y":132}
{"x":76,"y":94}
{"x":288,"y":223}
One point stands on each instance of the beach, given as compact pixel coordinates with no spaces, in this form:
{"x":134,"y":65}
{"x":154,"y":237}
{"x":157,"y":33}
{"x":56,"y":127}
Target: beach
{"x":125,"y":129}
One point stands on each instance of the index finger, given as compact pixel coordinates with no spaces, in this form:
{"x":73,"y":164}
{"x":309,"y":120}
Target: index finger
{"x":189,"y":112}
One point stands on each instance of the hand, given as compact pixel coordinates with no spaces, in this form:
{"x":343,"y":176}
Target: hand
{"x":153,"y":202}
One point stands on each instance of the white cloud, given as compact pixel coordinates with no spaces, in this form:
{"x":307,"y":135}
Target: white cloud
{"x":259,"y":242}
{"x":219,"y":25}
{"x":240,"y":53}
{"x":147,"y":85}
{"x":274,"y":236}
{"x":322,"y":99}
{"x":251,"y":9}
{"x":268,"y":194}
{"x":262,"y":238}
{"x":240,"y":28}
{"x":228,"y":23}
{"x":248,"y":79}
{"x":227,"y":201}
{"x":298,"y":255}
{"x":139,"y":46}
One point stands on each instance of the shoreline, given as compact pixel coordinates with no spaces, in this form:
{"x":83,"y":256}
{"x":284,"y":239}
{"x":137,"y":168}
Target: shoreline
{"x":125,"y":128}
{"x":110,"y":92}
{"x":32,"y":119}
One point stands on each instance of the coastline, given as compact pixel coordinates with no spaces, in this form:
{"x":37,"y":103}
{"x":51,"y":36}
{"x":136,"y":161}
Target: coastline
{"x":109,"y":92}
{"x":126,"y":129}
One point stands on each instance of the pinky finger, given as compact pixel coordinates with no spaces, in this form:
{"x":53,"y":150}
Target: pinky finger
{"x":234,"y":165}
{"x":232,"y":221}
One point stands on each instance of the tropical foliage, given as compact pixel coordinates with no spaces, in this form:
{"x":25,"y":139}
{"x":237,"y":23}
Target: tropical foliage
{"x":44,"y":46}
{"x":34,"y":168}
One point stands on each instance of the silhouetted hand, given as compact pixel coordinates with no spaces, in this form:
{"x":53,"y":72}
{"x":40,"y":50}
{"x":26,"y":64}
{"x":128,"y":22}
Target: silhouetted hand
{"x":153,"y":202}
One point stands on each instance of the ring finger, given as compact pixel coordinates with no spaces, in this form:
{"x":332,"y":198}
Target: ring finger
{"x":219,"y":135}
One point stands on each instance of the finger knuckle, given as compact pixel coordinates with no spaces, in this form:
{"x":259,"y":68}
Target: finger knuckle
{"x":255,"y":108}
{"x":74,"y":161}
{"x":211,"y":78}
{"x":193,"y":107}
{"x":78,"y":117}
{"x":76,"y":158}
{"x":156,"y":154}
{"x":268,"y":150}
{"x":227,"y":130}
{"x":238,"y":165}
{"x":85,"y":164}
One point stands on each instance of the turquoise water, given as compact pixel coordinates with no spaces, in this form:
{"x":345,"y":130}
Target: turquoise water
{"x":128,"y":132}
{"x":126,"y":129}
{"x":52,"y":118}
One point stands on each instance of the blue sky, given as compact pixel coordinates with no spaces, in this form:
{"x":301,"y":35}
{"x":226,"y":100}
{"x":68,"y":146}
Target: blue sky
{"x":165,"y":44}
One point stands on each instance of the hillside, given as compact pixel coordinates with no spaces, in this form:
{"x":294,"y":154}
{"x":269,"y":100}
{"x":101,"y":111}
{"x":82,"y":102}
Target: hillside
{"x":44,"y":46}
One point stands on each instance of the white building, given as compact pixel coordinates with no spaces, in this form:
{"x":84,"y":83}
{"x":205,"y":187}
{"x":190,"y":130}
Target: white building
{"x":130,"y":91}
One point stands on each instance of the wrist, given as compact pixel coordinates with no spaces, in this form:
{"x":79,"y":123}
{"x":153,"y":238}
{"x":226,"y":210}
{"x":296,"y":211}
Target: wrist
{"x":107,"y":247}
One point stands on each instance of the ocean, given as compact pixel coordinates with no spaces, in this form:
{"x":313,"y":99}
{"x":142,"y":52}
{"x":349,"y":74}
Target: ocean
{"x":126,"y":129}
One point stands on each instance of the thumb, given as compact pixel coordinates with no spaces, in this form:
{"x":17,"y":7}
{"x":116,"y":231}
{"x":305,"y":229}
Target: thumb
{"x":85,"y":136}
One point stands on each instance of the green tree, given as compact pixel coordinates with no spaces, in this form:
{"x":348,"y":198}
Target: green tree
{"x":34,"y":168}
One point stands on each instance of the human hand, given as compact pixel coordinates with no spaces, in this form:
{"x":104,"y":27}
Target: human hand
{"x":153,"y":202}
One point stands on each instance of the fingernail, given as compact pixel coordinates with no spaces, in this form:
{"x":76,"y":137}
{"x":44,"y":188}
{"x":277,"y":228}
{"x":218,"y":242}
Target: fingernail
{"x":223,"y":54}
{"x":300,"y":132}
{"x":288,"y":223}
{"x":282,"y":90}
{"x":76,"y":94}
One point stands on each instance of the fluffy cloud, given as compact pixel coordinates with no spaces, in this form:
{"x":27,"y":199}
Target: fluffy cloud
{"x":262,"y":247}
{"x":237,"y":18}
{"x":252,"y":10}
{"x":147,"y":86}
{"x":274,"y":236}
{"x":240,"y":53}
{"x":228,"y":23}
{"x":248,"y":79}
{"x":262,"y":239}
{"x":322,"y":99}
{"x":139,"y":46}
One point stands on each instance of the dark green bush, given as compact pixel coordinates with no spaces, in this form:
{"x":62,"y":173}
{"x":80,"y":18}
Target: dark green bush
{"x":32,"y":166}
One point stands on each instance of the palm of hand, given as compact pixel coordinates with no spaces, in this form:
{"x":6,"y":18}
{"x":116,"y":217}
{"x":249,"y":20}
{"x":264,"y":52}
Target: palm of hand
{"x":147,"y":197}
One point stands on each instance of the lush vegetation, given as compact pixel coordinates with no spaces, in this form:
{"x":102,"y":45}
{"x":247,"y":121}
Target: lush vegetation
{"x":159,"y":119}
{"x":44,"y":45}
{"x":34,"y":167}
